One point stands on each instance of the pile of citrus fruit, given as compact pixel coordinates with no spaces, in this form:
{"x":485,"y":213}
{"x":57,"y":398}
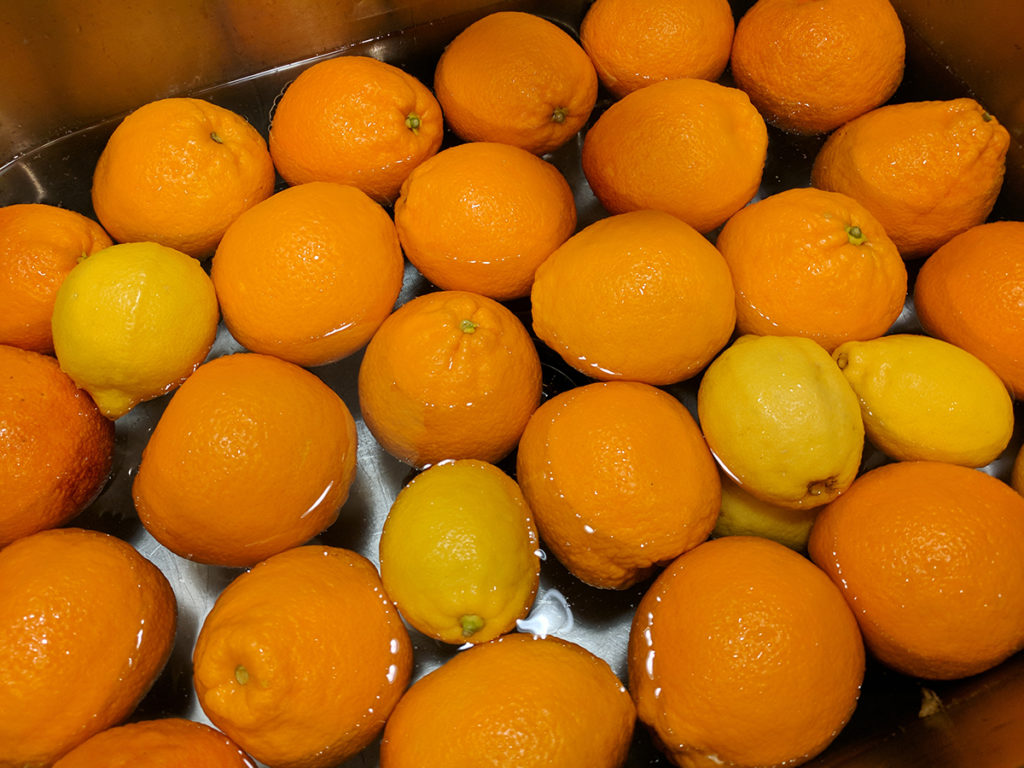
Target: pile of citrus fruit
{"x":783,"y":419}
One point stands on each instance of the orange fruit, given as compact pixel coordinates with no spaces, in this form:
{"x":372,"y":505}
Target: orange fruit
{"x":927,"y":170}
{"x":252,"y":455}
{"x":516,"y":78}
{"x":178,"y":171}
{"x":449,"y":375}
{"x":636,"y":42}
{"x":691,"y":147}
{"x":619,"y":479}
{"x":483,"y":216}
{"x":39,"y":244}
{"x":520,"y":701}
{"x":969,"y":293}
{"x":806,"y":262}
{"x":928,"y":555}
{"x":355,"y":120}
{"x":810,"y":67}
{"x":301,"y":659}
{"x":56,"y":448}
{"x":308,"y":274}
{"x":86,"y":626}
{"x":639,"y":295}
{"x":743,"y":653}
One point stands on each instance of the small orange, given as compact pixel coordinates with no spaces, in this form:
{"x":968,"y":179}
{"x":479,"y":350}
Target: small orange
{"x":743,"y":653}
{"x":56,"y":447}
{"x":636,"y":42}
{"x":806,"y":262}
{"x":449,"y":375}
{"x":252,"y":455}
{"x":520,"y":700}
{"x":86,"y":626}
{"x":927,"y":170}
{"x":516,"y":78}
{"x":302,"y":659}
{"x":970,"y":292}
{"x":178,"y":171}
{"x":691,"y":147}
{"x":619,"y":479}
{"x":809,"y":67}
{"x":39,"y":244}
{"x":308,"y":274}
{"x":928,"y":555}
{"x":355,"y":120}
{"x":639,"y":295}
{"x":482,"y":216}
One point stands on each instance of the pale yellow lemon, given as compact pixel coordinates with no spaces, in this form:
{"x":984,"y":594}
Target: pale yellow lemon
{"x":745,"y":515}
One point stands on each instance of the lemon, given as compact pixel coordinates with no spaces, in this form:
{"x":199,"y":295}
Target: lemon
{"x":781,"y":420}
{"x":132,"y":321}
{"x":746,"y":515}
{"x":458,"y":552}
{"x":925,"y":399}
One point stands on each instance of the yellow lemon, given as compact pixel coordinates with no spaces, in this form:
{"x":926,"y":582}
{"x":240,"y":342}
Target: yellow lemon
{"x":782,"y":420}
{"x":925,"y":399}
{"x":132,"y":321}
{"x":458,"y":552}
{"x":746,"y":515}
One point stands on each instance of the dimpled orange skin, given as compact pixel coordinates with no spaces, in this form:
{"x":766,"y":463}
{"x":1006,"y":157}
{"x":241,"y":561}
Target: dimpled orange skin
{"x":323,"y":654}
{"x":86,"y":627}
{"x":743,"y":653}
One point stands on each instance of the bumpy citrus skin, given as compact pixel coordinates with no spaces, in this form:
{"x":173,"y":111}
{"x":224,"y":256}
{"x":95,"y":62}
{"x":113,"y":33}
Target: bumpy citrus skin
{"x":743,"y":514}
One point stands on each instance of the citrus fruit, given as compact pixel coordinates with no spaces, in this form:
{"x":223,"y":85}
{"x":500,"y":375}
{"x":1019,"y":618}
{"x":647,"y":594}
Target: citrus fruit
{"x":782,"y":420}
{"x":482,"y":216}
{"x":691,"y":147}
{"x":1017,"y":471}
{"x":354,"y":120}
{"x":132,"y":321}
{"x":806,"y":262}
{"x":302,"y":658}
{"x":619,"y":479}
{"x":515,"y":78}
{"x":927,"y":170}
{"x":251,"y":456}
{"x":928,"y":555}
{"x":743,"y":653}
{"x":458,"y":552}
{"x":638,"y":295}
{"x":39,"y":244}
{"x":86,"y":626}
{"x":449,"y":375}
{"x":743,"y":514}
{"x":520,"y":701}
{"x":178,"y":171}
{"x":308,"y":274}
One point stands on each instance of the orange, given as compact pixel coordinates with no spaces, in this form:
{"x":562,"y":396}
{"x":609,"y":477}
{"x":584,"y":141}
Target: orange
{"x":86,"y":626}
{"x":449,"y":375}
{"x":252,"y":455}
{"x":809,"y":67}
{"x":743,"y":653}
{"x":691,"y":147}
{"x":639,"y":295}
{"x":929,"y":556}
{"x":619,"y":479}
{"x":636,"y":42}
{"x":167,"y":742}
{"x":806,"y":262}
{"x":178,"y":171}
{"x":39,"y":244}
{"x":355,"y":120}
{"x":56,"y":448}
{"x":483,"y":216}
{"x":301,"y":659}
{"x":969,"y":293}
{"x":927,"y":170}
{"x":308,"y":274}
{"x":516,"y":78}
{"x":521,"y":701}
